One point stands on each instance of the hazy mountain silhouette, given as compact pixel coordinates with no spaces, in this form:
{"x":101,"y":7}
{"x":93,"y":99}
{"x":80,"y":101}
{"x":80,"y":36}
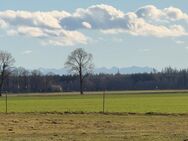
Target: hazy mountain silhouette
{"x":113,"y":70}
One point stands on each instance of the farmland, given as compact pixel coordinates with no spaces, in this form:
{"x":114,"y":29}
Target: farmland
{"x":92,"y":127}
{"x":114,"y":102}
{"x":135,"y":116}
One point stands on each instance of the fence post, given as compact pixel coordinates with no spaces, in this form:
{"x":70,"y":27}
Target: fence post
{"x":6,"y":103}
{"x":104,"y":102}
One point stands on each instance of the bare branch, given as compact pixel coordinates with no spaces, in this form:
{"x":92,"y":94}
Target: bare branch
{"x":6,"y":62}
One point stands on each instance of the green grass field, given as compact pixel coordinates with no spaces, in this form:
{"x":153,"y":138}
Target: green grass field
{"x":36,"y":117}
{"x":120,"y":102}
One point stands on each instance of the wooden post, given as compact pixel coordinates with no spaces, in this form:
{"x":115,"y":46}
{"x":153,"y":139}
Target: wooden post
{"x":104,"y":102}
{"x":6,"y":103}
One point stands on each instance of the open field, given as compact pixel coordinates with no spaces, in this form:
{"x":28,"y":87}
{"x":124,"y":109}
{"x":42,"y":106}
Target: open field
{"x":37,"y":117}
{"x":92,"y":127}
{"x":160,"y":102}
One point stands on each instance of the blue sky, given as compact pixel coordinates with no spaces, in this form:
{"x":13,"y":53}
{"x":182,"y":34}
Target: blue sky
{"x":131,"y":33}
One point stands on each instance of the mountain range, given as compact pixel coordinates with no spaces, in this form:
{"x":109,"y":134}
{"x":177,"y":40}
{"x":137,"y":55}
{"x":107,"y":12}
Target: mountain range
{"x":112,"y":70}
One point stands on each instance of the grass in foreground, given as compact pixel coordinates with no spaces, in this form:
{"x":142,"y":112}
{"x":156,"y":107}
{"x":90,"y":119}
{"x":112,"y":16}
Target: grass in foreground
{"x":138,"y":103}
{"x":92,"y":127}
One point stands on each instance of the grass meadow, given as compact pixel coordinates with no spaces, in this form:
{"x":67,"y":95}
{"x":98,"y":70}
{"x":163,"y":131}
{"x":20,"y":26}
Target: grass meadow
{"x":114,"y":102}
{"x":74,"y":117}
{"x":92,"y":127}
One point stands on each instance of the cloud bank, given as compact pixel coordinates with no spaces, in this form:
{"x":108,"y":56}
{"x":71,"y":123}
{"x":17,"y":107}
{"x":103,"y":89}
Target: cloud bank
{"x":61,"y":28}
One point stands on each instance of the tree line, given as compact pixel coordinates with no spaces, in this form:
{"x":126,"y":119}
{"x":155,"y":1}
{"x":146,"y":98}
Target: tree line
{"x":79,"y":63}
{"x":22,"y":80}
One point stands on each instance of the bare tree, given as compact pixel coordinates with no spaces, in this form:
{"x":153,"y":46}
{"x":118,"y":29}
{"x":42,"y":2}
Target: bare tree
{"x":21,"y":78}
{"x":80,"y":62}
{"x":6,"y":62}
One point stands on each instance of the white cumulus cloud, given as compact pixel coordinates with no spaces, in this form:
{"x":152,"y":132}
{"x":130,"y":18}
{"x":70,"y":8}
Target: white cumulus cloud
{"x":27,"y":52}
{"x":111,"y":20}
{"x":86,"y":25}
{"x":180,"y":42}
{"x":61,"y":28}
{"x":64,"y":38}
{"x":170,"y":13}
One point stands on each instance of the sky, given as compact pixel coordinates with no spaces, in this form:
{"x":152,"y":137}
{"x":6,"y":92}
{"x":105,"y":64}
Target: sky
{"x":121,"y":33}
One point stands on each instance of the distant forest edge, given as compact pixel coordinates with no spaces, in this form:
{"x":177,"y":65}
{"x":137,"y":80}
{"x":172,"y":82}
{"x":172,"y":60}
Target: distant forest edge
{"x":24,"y":81}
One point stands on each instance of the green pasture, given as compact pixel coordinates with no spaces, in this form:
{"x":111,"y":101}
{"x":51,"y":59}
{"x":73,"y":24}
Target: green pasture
{"x":114,"y":102}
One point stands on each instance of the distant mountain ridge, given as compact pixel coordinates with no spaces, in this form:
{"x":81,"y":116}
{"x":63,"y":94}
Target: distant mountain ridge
{"x":112,"y":70}
{"x":124,"y":70}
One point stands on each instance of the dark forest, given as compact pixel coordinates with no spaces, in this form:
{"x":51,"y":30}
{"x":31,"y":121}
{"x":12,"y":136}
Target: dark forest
{"x":23,"y":81}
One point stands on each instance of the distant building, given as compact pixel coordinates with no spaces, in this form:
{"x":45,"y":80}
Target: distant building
{"x":56,"y":88}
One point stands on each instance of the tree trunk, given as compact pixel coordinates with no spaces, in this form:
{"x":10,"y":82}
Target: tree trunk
{"x":0,"y":90}
{"x":81,"y":81}
{"x":2,"y":80}
{"x":81,"y":87}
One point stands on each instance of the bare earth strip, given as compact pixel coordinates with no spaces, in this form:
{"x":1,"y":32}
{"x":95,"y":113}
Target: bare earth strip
{"x":92,"y":127}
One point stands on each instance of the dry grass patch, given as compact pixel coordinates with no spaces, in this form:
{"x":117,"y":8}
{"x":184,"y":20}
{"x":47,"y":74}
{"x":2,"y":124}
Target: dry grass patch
{"x":92,"y":127}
